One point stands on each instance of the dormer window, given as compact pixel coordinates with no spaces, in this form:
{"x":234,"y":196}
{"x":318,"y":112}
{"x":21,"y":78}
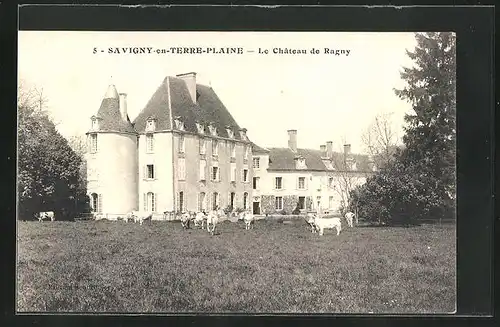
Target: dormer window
{"x":200,"y":128}
{"x":95,"y":123}
{"x":179,"y":124}
{"x":300,"y":163}
{"x":230,"y":132}
{"x":150,"y":125}
{"x":213,"y":129}
{"x":243,"y":134}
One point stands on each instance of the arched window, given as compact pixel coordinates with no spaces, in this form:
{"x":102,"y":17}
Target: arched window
{"x":201,"y":202}
{"x":151,"y":201}
{"x":215,"y":202}
{"x":94,"y":202}
{"x":245,"y":200}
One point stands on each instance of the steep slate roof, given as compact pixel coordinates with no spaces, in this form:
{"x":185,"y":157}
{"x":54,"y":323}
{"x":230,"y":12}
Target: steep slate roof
{"x":109,"y":114}
{"x":258,"y":149}
{"x":284,"y":159}
{"x":208,"y":108}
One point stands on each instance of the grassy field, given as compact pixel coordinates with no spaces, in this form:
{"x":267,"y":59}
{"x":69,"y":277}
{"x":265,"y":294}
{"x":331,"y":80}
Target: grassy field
{"x":108,"y":266}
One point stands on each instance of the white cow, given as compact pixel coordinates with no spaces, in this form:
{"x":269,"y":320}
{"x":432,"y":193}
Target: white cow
{"x":212,"y":220}
{"x":141,"y":216}
{"x":46,"y":215}
{"x":200,"y":219}
{"x":327,"y":223}
{"x":310,"y":221}
{"x":186,"y":218}
{"x":349,"y":217}
{"x":249,"y":219}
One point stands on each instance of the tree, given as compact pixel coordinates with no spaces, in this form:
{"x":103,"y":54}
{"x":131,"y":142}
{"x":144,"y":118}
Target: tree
{"x":420,"y":182}
{"x":48,"y":169}
{"x":430,"y":134}
{"x":380,"y":140}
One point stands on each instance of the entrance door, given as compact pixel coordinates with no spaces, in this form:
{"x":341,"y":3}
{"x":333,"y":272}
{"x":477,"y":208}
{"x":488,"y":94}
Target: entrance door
{"x":256,"y":208}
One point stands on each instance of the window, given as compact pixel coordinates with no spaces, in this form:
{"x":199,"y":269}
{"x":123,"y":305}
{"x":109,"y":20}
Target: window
{"x":256,"y":183}
{"x":302,"y":183}
{"x":231,"y":199}
{"x":256,"y":163}
{"x":150,"y":125}
{"x":245,"y":175}
{"x":330,"y":202}
{"x":330,"y":181}
{"x":181,"y":201}
{"x":201,"y":202}
{"x":203,"y":168}
{"x":302,"y":202}
{"x":233,"y":172}
{"x":200,"y":128}
{"x":279,"y":203}
{"x":278,"y":183}
{"x":318,"y":202}
{"x":149,"y":143}
{"x":215,"y":174}
{"x":93,"y":143}
{"x":182,"y":168}
{"x":245,"y":200}
{"x":232,"y":146}
{"x":182,"y":144}
{"x":95,"y":124}
{"x":203,"y":146}
{"x":150,"y":202}
{"x":215,"y":202}
{"x":150,"y":172}
{"x":215,"y":148}
{"x":94,"y":202}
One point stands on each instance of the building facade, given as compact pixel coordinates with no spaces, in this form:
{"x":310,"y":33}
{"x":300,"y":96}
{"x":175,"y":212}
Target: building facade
{"x":183,"y":152}
{"x":286,"y":179}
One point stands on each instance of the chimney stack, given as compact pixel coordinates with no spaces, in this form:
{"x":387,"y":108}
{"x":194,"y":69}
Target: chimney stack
{"x":323,"y":150}
{"x":329,"y":149}
{"x":190,"y":79}
{"x":123,"y":106}
{"x":292,"y":139}
{"x":347,"y":150}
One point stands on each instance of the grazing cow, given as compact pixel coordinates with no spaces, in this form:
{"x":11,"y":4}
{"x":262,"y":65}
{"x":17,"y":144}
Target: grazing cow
{"x":310,"y":221}
{"x":46,"y":215}
{"x":200,"y":219}
{"x":141,"y":216}
{"x":327,"y":223}
{"x":349,"y":216}
{"x":249,"y":219}
{"x":213,"y":219}
{"x":186,"y":218}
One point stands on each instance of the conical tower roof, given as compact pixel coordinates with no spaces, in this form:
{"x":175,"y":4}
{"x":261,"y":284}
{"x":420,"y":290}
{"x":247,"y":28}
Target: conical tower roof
{"x":109,"y":114}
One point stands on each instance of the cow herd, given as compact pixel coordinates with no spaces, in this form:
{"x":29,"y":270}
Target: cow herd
{"x":209,"y":220}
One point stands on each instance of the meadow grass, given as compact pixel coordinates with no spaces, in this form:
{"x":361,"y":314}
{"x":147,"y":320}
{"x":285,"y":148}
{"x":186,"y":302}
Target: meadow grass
{"x":104,"y":266}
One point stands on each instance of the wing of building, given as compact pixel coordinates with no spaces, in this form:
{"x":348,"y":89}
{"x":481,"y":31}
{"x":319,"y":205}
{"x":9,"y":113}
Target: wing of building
{"x":185,"y":152}
{"x":292,"y":178}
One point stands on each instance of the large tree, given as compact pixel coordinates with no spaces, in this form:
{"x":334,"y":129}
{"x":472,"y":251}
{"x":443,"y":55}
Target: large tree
{"x":48,"y":169}
{"x":430,"y":137}
{"x":420,"y":182}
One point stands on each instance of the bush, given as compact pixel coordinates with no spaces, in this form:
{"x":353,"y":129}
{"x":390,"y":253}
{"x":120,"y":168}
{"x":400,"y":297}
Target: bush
{"x":296,"y":211}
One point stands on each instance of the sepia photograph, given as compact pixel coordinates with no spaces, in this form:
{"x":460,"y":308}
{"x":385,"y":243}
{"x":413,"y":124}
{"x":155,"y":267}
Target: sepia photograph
{"x":236,"y":172}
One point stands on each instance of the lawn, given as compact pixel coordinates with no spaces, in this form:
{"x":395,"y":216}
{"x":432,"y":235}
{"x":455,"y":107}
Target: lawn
{"x":104,"y":266}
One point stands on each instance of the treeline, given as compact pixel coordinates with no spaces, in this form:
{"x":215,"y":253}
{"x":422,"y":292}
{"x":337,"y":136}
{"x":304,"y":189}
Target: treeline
{"x":418,"y":181}
{"x":50,"y":176}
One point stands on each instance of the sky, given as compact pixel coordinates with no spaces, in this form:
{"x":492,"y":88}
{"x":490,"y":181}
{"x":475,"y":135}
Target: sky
{"x":325,"y":97}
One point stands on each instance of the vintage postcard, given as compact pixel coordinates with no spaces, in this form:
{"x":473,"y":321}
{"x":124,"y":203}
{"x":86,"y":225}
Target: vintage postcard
{"x":236,"y":172}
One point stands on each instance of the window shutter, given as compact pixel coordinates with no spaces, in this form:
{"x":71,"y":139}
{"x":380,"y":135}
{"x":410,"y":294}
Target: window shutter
{"x":99,"y":204}
{"x":144,"y":171}
{"x":145,"y":200}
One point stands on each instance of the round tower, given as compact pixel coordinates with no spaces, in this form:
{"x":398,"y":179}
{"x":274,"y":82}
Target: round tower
{"x":112,"y":161}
